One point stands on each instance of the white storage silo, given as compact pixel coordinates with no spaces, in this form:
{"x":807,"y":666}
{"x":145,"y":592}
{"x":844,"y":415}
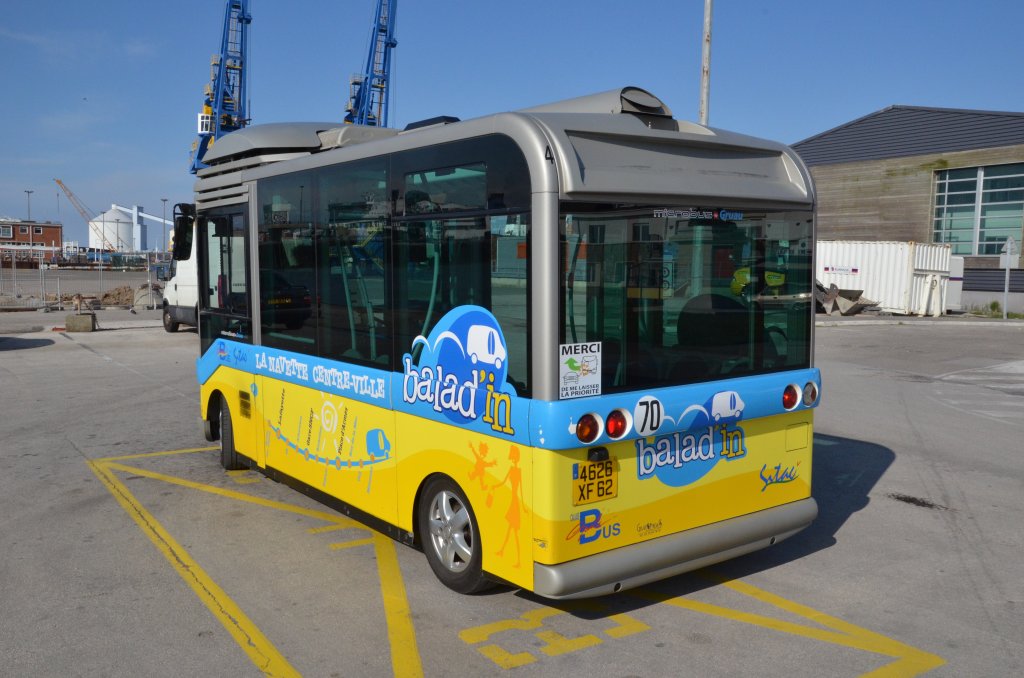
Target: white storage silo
{"x":112,"y":230}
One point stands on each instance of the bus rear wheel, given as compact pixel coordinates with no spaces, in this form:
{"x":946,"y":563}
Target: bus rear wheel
{"x":229,"y":458}
{"x":451,"y":536}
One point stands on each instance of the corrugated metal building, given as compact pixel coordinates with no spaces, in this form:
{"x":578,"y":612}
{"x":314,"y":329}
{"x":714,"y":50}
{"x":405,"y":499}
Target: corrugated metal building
{"x":923,"y":174}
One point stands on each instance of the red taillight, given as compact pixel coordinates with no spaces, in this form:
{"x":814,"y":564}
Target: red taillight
{"x":790,"y":397}
{"x":617,"y":424}
{"x":588,"y":428}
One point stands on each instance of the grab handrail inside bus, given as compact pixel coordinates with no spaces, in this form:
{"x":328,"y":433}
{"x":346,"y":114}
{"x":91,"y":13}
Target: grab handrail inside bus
{"x":570,"y":294}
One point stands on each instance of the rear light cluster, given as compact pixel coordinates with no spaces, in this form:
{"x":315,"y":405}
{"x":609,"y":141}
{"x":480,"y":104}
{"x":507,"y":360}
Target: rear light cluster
{"x":617,"y":424}
{"x":793,"y":395}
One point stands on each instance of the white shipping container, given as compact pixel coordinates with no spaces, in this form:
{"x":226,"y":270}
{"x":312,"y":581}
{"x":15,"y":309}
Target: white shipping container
{"x":955,"y":291}
{"x":907,"y":278}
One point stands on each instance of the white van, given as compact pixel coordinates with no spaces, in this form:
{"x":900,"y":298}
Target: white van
{"x":181,"y":294}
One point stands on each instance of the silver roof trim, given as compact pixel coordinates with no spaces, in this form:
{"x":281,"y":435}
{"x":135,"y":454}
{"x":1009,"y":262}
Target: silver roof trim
{"x":283,"y":136}
{"x":621,"y":100}
{"x":233,"y":200}
{"x":339,"y":137}
{"x":662,"y":159}
{"x":215,"y":197}
{"x":247,"y":162}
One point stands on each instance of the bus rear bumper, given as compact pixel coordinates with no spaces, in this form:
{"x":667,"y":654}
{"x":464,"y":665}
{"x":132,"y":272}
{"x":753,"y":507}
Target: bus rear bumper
{"x":639,"y":564}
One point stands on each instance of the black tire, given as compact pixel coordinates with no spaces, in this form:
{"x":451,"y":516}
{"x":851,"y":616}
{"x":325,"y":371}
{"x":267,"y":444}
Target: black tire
{"x":229,"y":458}
{"x":170,"y":324}
{"x":451,"y":537}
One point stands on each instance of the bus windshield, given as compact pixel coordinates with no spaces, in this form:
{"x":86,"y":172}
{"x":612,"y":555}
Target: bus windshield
{"x":680,"y":295}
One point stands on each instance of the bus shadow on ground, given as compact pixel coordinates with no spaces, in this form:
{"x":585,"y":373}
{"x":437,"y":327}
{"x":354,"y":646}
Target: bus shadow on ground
{"x":844,"y":473}
{"x":18,"y":344}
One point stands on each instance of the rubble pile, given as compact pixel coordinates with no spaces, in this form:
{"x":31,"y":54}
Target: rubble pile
{"x":119,"y":296}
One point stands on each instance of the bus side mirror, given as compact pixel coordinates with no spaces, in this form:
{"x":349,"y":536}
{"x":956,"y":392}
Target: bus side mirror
{"x":184,"y":219}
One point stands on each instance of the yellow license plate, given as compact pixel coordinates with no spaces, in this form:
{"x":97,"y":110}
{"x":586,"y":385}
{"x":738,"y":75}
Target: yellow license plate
{"x":594,"y":481}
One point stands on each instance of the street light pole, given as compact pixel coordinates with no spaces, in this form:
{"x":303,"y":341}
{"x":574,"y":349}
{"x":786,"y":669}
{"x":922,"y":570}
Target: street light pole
{"x":28,"y":199}
{"x":163,"y":243}
{"x":705,"y":66}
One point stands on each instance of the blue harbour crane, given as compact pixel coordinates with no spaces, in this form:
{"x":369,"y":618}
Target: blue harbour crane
{"x":368,"y":91}
{"x":224,"y":107}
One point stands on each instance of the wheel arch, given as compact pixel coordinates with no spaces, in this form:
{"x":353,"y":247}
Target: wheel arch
{"x":418,"y":498}
{"x":211,"y":422}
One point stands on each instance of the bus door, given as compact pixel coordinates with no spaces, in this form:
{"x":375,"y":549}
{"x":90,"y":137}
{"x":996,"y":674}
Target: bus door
{"x":225,"y":319}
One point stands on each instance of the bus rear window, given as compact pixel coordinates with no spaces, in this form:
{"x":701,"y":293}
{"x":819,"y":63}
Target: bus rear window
{"x":680,"y":295}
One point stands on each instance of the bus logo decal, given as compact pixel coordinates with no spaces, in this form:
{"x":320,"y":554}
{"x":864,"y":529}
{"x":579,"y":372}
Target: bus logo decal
{"x":591,"y":526}
{"x":461,"y":370}
{"x":711,"y":434}
{"x":777,"y":474}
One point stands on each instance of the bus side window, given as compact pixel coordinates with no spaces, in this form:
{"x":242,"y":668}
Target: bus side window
{"x":352,"y":292}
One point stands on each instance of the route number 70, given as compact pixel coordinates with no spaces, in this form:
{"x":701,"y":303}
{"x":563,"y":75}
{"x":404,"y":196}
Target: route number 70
{"x":647,"y":415}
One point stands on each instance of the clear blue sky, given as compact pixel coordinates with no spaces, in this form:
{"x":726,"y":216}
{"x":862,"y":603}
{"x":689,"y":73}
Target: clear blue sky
{"x":104,"y":95}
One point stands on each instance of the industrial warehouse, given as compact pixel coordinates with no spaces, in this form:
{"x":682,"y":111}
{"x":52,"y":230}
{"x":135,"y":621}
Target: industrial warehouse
{"x":927,"y":175}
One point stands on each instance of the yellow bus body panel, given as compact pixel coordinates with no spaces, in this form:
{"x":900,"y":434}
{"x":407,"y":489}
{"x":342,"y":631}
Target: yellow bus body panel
{"x":497,"y":477}
{"x":339,"y":446}
{"x":523,"y":498}
{"x":774,"y":469}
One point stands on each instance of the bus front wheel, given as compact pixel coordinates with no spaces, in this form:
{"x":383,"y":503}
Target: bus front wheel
{"x":451,"y":536}
{"x":228,"y":455}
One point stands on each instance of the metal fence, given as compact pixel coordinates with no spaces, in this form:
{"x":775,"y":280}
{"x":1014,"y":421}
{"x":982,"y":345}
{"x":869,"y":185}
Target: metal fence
{"x":24,"y":288}
{"x":992,"y":280}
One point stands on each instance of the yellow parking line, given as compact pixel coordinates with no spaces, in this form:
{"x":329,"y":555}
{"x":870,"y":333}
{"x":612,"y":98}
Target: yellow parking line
{"x":232,"y":494}
{"x":340,"y":545}
{"x":146,"y":455}
{"x":910,"y":660}
{"x":260,"y":650}
{"x":326,"y":528}
{"x":405,"y":657}
{"x":405,"y":653}
{"x":244,"y":477}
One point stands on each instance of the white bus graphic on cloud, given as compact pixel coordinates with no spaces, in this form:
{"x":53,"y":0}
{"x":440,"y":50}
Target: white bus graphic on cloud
{"x":484,"y":345}
{"x":726,"y":405}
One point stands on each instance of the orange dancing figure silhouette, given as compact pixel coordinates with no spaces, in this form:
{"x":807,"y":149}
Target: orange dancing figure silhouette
{"x":514,"y":478}
{"x":482,"y":462}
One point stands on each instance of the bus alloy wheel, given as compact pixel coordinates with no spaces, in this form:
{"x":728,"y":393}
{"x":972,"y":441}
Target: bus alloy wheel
{"x":451,"y":537}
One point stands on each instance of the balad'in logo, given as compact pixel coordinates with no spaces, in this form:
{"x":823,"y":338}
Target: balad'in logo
{"x":709,"y":433}
{"x":461,"y":370}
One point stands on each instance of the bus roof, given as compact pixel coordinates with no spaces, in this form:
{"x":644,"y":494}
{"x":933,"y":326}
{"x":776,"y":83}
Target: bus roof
{"x":621,"y":145}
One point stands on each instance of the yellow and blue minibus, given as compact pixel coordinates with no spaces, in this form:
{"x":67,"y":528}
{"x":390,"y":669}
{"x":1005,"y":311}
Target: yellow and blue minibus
{"x":513,"y":341}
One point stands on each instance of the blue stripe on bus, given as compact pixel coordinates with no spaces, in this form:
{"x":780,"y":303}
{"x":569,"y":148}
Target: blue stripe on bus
{"x":358,"y":382}
{"x":536,"y":423}
{"x":684,"y":408}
